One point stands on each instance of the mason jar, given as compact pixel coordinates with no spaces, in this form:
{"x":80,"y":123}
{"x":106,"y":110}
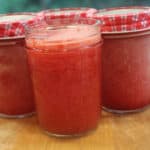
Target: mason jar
{"x":65,"y":63}
{"x":16,"y":95}
{"x":125,"y":58}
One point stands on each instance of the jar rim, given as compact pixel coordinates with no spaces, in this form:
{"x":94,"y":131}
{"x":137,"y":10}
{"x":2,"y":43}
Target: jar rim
{"x":126,"y":32}
{"x":59,"y":24}
{"x":63,"y":20}
{"x":126,"y":35}
{"x":76,"y":32}
{"x":12,"y":38}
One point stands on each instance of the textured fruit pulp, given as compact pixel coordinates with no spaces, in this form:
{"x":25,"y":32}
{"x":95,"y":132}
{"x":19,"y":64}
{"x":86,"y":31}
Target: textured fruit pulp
{"x":126,"y":72}
{"x":66,"y":79}
{"x":16,"y":97}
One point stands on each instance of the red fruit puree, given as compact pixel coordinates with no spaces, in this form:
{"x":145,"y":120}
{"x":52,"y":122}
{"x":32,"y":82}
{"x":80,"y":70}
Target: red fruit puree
{"x":16,"y":97}
{"x":126,"y":71}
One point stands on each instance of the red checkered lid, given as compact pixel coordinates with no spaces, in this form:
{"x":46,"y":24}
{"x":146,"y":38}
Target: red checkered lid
{"x":66,"y":12}
{"x":123,"y":19}
{"x":14,"y":25}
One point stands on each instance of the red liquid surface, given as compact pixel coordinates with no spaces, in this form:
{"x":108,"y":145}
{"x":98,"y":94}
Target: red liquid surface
{"x":126,"y":72}
{"x":66,"y":79}
{"x":16,"y":97}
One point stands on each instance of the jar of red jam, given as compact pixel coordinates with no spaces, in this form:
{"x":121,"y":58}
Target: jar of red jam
{"x":125,"y":59}
{"x":64,"y":59}
{"x":16,"y":96}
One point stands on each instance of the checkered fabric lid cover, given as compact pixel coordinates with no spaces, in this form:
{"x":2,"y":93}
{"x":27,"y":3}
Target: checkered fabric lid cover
{"x":123,"y":19}
{"x":14,"y":25}
{"x":66,"y":12}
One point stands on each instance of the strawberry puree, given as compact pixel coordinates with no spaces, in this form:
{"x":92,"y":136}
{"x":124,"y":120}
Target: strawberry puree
{"x":126,"y":71}
{"x":16,"y":97}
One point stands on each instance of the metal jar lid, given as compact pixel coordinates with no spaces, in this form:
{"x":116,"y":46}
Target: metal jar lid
{"x":13,"y":25}
{"x":66,"y":12}
{"x":123,"y":19}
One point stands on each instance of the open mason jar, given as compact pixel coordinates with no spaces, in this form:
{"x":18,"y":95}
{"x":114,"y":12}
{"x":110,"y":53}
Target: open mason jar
{"x":64,"y":58}
{"x":125,"y":58}
{"x":16,"y":95}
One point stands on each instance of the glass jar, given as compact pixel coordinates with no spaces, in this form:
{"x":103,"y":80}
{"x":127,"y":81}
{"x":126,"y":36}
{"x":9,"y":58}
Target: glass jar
{"x":64,"y":59}
{"x":126,"y":72}
{"x":16,"y":95}
{"x":125,"y":59}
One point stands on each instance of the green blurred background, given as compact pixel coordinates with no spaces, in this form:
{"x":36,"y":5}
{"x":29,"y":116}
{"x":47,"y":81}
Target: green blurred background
{"x":37,"y":5}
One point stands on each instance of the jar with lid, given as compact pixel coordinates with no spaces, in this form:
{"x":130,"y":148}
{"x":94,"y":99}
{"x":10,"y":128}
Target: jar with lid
{"x":125,"y":58}
{"x":16,"y":94}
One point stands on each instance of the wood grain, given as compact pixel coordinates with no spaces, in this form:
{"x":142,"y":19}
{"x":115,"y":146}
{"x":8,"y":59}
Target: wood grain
{"x":115,"y":132}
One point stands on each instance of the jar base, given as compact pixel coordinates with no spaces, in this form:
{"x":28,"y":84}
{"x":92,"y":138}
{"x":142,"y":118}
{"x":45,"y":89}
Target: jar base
{"x":69,"y":135}
{"x":124,"y":111}
{"x":16,"y":116}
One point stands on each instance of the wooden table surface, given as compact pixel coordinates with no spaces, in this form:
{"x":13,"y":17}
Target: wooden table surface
{"x":115,"y":132}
